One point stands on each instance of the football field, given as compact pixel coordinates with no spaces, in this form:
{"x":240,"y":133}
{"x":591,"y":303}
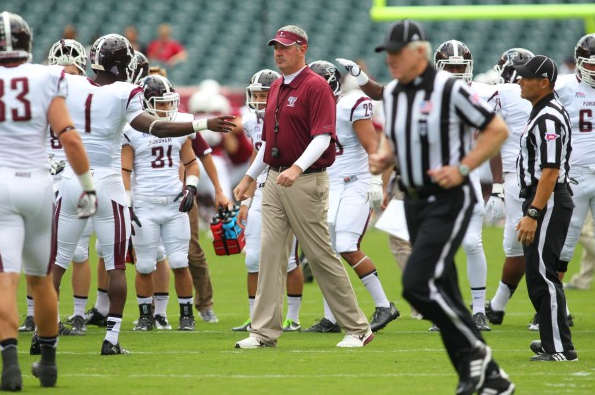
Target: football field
{"x":404,"y":358}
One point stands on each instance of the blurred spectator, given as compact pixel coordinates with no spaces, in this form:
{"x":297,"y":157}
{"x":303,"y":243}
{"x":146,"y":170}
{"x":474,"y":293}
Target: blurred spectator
{"x":164,"y":49}
{"x":69,"y":32}
{"x":131,"y":33}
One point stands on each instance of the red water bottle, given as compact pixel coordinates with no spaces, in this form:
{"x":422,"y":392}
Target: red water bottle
{"x":217,"y":228}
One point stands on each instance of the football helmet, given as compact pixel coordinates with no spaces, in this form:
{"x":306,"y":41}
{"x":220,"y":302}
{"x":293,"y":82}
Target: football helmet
{"x":260,"y":82}
{"x":158,"y":92}
{"x":142,"y":67}
{"x":455,"y":53}
{"x":113,"y":53}
{"x":329,"y":72}
{"x":509,"y":59}
{"x":584,"y":52}
{"x":15,"y":38}
{"x":69,"y":52}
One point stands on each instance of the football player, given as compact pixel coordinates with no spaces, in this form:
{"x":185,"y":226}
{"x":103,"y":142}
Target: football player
{"x":455,"y":57}
{"x":101,"y":108}
{"x":155,"y":164}
{"x":33,"y":97}
{"x":352,"y":187}
{"x":250,"y":214}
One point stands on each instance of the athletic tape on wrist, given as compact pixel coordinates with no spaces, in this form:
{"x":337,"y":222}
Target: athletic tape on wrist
{"x":247,"y":202}
{"x":192,"y":180}
{"x":362,"y":78}
{"x":86,"y":181}
{"x":199,"y":125}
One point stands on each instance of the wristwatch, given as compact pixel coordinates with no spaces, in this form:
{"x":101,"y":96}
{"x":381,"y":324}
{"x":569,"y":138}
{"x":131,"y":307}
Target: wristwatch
{"x":464,"y":170}
{"x":533,"y":212}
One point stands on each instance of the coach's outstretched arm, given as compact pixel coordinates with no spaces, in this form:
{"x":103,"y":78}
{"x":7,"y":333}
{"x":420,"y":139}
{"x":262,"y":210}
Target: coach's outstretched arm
{"x":147,"y":123}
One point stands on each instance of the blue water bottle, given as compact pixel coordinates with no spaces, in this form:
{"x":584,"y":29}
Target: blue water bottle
{"x":229,"y":229}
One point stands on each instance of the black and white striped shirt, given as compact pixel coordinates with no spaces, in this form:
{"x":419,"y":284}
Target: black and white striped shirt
{"x":430,"y":123}
{"x":545,"y":142}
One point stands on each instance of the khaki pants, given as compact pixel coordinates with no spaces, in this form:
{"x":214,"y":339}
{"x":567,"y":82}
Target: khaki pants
{"x":584,"y":278}
{"x":300,"y":210}
{"x":197,"y":262}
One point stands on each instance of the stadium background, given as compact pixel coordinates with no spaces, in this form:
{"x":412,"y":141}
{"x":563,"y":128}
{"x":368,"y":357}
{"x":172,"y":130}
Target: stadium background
{"x":226,"y":39}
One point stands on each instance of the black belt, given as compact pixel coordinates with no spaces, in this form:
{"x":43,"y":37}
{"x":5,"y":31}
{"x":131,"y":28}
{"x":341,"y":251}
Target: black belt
{"x":423,"y":192}
{"x":530,"y":190}
{"x":307,"y":171}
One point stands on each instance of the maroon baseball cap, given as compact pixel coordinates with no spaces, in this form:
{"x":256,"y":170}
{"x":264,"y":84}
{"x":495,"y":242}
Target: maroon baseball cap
{"x":400,"y":34}
{"x":288,"y":38}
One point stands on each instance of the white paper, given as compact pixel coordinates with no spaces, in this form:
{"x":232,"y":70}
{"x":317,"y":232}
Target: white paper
{"x":392,"y":220}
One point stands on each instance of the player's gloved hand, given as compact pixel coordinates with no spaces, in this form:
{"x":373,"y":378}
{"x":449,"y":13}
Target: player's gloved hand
{"x":87,"y":204}
{"x":56,"y":165}
{"x":187,"y":196}
{"x":375,"y":192}
{"x":134,"y":218}
{"x":495,"y":209}
{"x":354,"y":70}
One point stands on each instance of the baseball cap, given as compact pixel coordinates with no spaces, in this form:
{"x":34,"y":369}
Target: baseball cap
{"x":288,"y":38}
{"x":539,"y":66}
{"x":400,"y":34}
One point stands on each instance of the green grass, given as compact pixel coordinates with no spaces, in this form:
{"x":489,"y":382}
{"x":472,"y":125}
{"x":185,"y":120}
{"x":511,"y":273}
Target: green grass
{"x":403,"y":359}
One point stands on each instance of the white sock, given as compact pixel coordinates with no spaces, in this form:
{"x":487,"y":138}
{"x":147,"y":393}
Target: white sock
{"x":328,"y":314}
{"x":478,"y":296}
{"x":113,"y":329}
{"x":502,"y":297}
{"x":293,"y":307}
{"x":374,"y":287}
{"x":102,"y":302}
{"x":251,"y":305}
{"x":80,"y":303}
{"x":161,"y":300}
{"x":30,"y":306}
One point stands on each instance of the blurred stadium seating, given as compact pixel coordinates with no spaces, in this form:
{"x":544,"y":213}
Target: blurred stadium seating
{"x":226,"y":39}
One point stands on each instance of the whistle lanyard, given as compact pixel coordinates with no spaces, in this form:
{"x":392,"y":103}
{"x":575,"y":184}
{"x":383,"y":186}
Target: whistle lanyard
{"x":278,"y":112}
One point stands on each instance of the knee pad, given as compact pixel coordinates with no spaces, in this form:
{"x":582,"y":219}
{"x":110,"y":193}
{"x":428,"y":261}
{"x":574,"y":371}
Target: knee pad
{"x":161,"y":255}
{"x":472,"y":244}
{"x":81,"y":254}
{"x":178,"y":260}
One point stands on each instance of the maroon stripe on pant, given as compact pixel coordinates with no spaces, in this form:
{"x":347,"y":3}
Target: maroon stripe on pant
{"x":54,"y":248}
{"x":119,"y":236}
{"x":359,"y":241}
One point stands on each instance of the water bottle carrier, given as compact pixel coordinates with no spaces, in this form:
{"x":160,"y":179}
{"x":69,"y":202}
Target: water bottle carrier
{"x":228,"y":237}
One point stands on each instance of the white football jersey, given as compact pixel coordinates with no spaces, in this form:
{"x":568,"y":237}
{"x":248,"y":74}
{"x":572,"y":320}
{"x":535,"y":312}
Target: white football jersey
{"x":515,"y":111}
{"x":253,"y":128}
{"x":26,"y":92}
{"x":156,"y":160}
{"x":100,"y":114}
{"x":351,"y":159}
{"x":579,"y":100}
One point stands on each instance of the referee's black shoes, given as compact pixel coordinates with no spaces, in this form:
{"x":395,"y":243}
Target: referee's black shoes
{"x":563,"y":356}
{"x":472,"y":369}
{"x":497,"y":383}
{"x":495,"y":317}
{"x":382,"y":316}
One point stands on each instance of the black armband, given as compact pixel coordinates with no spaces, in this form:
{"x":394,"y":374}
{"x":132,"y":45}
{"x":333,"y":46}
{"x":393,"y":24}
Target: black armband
{"x":66,"y":129}
{"x":127,"y":170}
{"x":193,"y":160}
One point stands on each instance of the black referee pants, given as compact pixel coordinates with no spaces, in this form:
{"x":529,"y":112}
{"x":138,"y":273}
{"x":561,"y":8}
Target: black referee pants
{"x":541,"y":257}
{"x":430,"y":282}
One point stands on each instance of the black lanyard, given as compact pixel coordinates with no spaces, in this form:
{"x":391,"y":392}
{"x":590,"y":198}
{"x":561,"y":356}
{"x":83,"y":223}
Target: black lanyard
{"x":275,"y":151}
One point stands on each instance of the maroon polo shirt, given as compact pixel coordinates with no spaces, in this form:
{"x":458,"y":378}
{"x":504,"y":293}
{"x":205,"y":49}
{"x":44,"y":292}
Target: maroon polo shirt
{"x":305,"y":108}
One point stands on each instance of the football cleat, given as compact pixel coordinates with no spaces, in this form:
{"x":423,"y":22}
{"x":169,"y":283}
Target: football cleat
{"x":64,"y":331}
{"x":291,"y":326}
{"x":47,"y":373}
{"x":35,"y":348}
{"x":28,"y":324}
{"x":324,"y":326}
{"x":94,"y":317}
{"x":161,"y":322}
{"x":209,"y":316}
{"x":245,"y":327}
{"x":472,"y":370}
{"x":144,"y":323}
{"x":495,"y":317}
{"x":533,"y":325}
{"x":481,"y":322}
{"x":108,"y":348}
{"x":186,"y":323}
{"x":78,"y":324}
{"x":12,"y":379}
{"x":250,"y":343}
{"x":434,"y":328}
{"x":382,"y":316}
{"x":497,"y":383}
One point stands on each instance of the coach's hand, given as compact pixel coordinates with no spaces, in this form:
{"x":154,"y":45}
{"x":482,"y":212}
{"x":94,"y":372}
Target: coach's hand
{"x":242,"y":216}
{"x":187,"y":196}
{"x":87,"y":204}
{"x":495,"y":209}
{"x":221,"y":123}
{"x":133,"y":218}
{"x":287,"y":177}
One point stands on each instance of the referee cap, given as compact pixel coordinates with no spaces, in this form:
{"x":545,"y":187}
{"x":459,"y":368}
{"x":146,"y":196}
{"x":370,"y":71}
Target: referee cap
{"x":400,"y":34}
{"x":539,"y":66}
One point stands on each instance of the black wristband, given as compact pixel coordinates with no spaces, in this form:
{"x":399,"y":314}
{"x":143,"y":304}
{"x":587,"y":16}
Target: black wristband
{"x":539,"y":210}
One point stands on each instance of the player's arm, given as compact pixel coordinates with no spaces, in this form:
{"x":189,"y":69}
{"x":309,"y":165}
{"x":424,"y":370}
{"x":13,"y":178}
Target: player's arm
{"x":127,"y":168}
{"x":371,"y":88}
{"x":367,"y":135}
{"x":211,"y":170}
{"x":147,"y":123}
{"x":189,"y":159}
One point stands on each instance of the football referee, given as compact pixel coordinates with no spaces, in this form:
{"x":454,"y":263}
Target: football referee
{"x":430,"y":117}
{"x":543,"y":177}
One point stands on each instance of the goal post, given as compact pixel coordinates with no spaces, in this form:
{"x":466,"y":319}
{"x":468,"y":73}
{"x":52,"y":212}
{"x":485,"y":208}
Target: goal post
{"x":380,"y":12}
